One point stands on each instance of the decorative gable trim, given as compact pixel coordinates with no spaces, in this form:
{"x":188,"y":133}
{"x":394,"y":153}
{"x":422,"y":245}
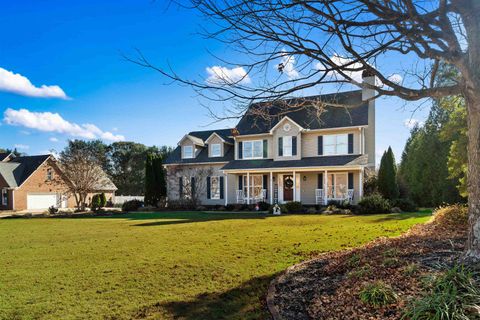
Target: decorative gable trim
{"x":217,"y":135}
{"x":284,"y":119}
{"x":195,"y":140}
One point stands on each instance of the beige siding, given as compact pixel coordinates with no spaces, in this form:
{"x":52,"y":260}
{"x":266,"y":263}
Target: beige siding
{"x":370,"y":135}
{"x":310,"y":140}
{"x":252,"y":138}
{"x":280,"y":132}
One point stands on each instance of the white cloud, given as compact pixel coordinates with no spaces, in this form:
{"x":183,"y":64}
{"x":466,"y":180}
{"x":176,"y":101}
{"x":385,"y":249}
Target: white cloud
{"x":53,"y":122}
{"x":341,"y":62}
{"x":396,"y":78}
{"x":18,"y":84}
{"x":224,"y":76}
{"x":21,"y":146}
{"x":411,"y":123}
{"x":53,"y":139}
{"x":287,"y":66}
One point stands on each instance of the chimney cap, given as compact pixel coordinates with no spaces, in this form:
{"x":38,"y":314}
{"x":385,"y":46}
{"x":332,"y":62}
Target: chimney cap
{"x":367,"y":73}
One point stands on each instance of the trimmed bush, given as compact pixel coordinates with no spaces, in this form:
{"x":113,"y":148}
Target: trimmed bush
{"x":453,"y":295}
{"x":103,"y":200}
{"x":132,"y":205}
{"x":407,"y":205}
{"x":96,"y":203}
{"x":263,"y":206}
{"x":52,"y":210}
{"x":294,"y":207}
{"x":374,"y":204}
{"x":377,"y":294}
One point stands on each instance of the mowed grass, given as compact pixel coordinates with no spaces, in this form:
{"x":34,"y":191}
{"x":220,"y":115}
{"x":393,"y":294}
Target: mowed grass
{"x":165,"y":265}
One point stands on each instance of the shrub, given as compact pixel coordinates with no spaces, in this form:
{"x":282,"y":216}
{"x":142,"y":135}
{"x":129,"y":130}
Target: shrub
{"x":96,"y":202}
{"x":377,"y":294}
{"x":339,"y":204}
{"x":361,"y":272}
{"x":455,"y":215}
{"x":390,"y":262}
{"x":311,"y":210}
{"x":406,"y":205}
{"x":181,"y":204}
{"x":103,"y":200}
{"x":132,"y":205}
{"x":294,"y":207}
{"x":453,"y":295}
{"x":52,"y":210}
{"x":354,"y":260}
{"x":374,"y":204}
{"x":201,"y":208}
{"x":410,"y":269}
{"x":263,"y":206}
{"x":231,"y":207}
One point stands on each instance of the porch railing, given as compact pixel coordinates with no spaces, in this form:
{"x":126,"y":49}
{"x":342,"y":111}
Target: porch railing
{"x":242,"y":197}
{"x":333,"y":193}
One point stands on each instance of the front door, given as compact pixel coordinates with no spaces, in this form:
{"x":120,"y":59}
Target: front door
{"x":288,"y":188}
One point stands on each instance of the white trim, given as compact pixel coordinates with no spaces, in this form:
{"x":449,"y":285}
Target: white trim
{"x":210,"y":149}
{"x":283,"y":119}
{"x":183,"y":152}
{"x":283,"y":169}
{"x":195,"y":140}
{"x":360,"y":181}
{"x":216,"y":134}
{"x":334,"y":128}
{"x":266,"y":134}
{"x":271,"y":187}
{"x":218,"y":187}
{"x":193,"y":163}
{"x":253,"y":157}
{"x":225,"y":189}
{"x":248,"y":187}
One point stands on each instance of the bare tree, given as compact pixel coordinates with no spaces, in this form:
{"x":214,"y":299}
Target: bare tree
{"x":84,"y":174}
{"x":314,"y":43}
{"x":194,"y":182}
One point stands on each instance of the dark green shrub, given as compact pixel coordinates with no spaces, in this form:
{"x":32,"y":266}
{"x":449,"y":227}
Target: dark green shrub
{"x":263,"y":206}
{"x":294,"y":207}
{"x":453,"y":295}
{"x":231,"y":207}
{"x":377,"y":294}
{"x":181,"y":204}
{"x":96,"y":202}
{"x":103,"y":200}
{"x":406,"y":205}
{"x":374,"y":204}
{"x":52,"y":210}
{"x":132,"y":205}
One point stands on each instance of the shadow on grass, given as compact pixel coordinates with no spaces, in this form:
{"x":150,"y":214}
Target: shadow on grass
{"x":246,"y":301}
{"x":404,"y":216}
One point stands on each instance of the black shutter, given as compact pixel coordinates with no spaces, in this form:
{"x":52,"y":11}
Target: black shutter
{"x":208,"y":188}
{"x":320,"y":145}
{"x":192,"y":185}
{"x":320,"y":181}
{"x":280,"y":147}
{"x":240,"y":150}
{"x":294,"y":146}
{"x":180,"y":186}
{"x":240,"y":182}
{"x":221,"y":187}
{"x":265,"y":184}
{"x":350,"y":143}
{"x":265,"y":148}
{"x":350,"y":180}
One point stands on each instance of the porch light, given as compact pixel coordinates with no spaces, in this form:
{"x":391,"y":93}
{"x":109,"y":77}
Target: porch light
{"x":304,"y":178}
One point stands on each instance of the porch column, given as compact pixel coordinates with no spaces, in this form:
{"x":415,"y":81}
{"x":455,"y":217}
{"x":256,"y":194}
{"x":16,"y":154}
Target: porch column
{"x":271,"y":187}
{"x":360,"y":187}
{"x":294,"y":186}
{"x":226,"y":189}
{"x":325,"y":187}
{"x":248,"y":187}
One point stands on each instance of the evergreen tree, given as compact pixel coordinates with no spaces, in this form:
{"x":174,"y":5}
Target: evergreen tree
{"x":387,"y":176}
{"x":150,"y":181}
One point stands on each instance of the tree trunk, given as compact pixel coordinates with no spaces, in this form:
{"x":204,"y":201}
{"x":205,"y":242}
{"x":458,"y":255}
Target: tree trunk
{"x":472,"y":252}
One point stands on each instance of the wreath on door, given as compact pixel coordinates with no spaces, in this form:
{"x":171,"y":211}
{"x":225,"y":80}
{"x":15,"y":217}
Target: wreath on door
{"x":288,"y":183}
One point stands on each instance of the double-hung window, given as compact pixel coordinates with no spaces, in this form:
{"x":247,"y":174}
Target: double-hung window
{"x":335,"y":144}
{"x":187,"y":152}
{"x":253,"y":149}
{"x":214,"y":188}
{"x":287,"y":146}
{"x":215,"y":150}
{"x":4,"y":198}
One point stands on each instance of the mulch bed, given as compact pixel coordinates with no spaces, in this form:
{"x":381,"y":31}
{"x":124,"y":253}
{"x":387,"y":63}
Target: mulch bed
{"x":328,"y":286}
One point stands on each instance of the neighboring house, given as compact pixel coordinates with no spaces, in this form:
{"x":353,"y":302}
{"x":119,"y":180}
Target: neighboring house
{"x":296,"y":156}
{"x":37,"y":183}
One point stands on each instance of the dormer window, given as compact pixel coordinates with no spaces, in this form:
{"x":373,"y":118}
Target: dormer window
{"x":215,"y":150}
{"x":187,"y":152}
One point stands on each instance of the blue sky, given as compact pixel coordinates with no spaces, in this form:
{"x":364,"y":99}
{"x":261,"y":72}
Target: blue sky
{"x":78,"y":47}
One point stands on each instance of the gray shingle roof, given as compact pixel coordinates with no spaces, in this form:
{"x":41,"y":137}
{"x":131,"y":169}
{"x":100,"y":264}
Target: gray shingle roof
{"x":324,"y":161}
{"x":202,"y":157}
{"x":17,"y":170}
{"x":331,"y":117}
{"x":4,"y":155}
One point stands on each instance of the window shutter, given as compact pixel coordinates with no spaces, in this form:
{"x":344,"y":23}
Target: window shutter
{"x":240,"y":182}
{"x":350,"y":143}
{"x":280,"y":147}
{"x":208,"y":188}
{"x":192,"y":185}
{"x":320,"y":145}
{"x":294,"y":146}
{"x":320,"y":181}
{"x":240,"y":150}
{"x":180,"y":186}
{"x":350,"y":180}
{"x":221,"y":187}
{"x":265,"y":184}
{"x":265,"y":148}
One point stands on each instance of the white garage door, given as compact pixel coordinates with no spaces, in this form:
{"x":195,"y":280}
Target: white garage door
{"x":41,"y":201}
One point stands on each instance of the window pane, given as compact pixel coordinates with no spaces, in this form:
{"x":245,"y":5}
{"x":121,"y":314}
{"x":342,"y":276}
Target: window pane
{"x":287,"y":146}
{"x":328,"y":150}
{"x":258,"y":149}
{"x":247,"y":149}
{"x":328,"y":140}
{"x":215,"y":150}
{"x":188,"y":152}
{"x":342,"y":144}
{"x":214,"y":188}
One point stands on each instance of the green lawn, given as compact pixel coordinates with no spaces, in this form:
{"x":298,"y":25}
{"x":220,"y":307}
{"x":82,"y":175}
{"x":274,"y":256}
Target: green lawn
{"x":165,"y":265}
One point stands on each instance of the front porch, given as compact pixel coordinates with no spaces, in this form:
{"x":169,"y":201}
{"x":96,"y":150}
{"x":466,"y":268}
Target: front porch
{"x":311,"y":187}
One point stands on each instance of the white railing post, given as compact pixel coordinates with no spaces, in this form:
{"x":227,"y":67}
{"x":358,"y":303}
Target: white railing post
{"x":294,"y":186}
{"x":248,"y":187}
{"x":271,"y":187}
{"x":325,"y":188}
{"x":226,"y":189}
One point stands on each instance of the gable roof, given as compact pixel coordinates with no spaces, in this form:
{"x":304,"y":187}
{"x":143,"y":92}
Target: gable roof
{"x":18,"y":169}
{"x":4,"y":155}
{"x":176,"y":156}
{"x":225,"y":134}
{"x":333,"y":116}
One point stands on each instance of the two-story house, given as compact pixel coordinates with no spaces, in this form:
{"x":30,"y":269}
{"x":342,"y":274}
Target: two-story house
{"x":298,"y":155}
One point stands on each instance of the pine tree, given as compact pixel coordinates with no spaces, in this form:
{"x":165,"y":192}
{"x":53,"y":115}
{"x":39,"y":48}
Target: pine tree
{"x":387,"y":176}
{"x":150,"y":183}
